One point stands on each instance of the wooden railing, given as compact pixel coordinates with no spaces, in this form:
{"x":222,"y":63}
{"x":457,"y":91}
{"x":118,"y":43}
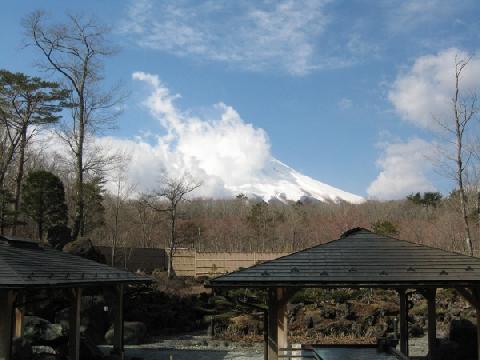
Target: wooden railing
{"x":296,"y":352}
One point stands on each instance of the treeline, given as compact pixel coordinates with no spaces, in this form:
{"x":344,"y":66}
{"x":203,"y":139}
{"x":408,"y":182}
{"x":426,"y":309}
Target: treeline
{"x":247,"y":225}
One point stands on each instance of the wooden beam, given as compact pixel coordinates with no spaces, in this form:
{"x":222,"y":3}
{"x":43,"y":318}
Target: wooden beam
{"x":74,"y":338}
{"x":265,"y":335}
{"x":282,"y":319}
{"x":19,"y":315}
{"x":403,"y":322}
{"x":7,"y":298}
{"x":118,"y":343}
{"x":432,"y":322}
{"x":476,"y":296}
{"x":277,"y":322}
{"x":272,"y":325}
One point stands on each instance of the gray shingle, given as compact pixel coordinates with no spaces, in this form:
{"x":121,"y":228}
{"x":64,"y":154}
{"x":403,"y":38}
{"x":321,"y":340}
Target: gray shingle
{"x":360,"y":258}
{"x":26,"y":264}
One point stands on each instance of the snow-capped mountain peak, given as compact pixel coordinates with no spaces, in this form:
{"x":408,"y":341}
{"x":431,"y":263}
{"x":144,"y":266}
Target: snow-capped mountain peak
{"x":278,"y":181}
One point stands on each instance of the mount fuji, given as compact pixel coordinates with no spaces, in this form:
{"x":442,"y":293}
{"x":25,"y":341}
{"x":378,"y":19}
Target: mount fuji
{"x":278,"y":181}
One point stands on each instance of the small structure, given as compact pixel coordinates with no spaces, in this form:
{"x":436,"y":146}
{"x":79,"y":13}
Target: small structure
{"x":360,"y":259}
{"x":24,"y":264}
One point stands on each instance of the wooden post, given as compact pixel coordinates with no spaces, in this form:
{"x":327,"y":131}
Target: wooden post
{"x":277,"y":322}
{"x":432,"y":322}
{"x":473,"y":297}
{"x":478,"y":332}
{"x":272,"y":325}
{"x":282,"y":319}
{"x":118,"y":342}
{"x":403,"y":322}
{"x":74,"y":338}
{"x":265,"y":335}
{"x":19,"y":315}
{"x":7,"y":298}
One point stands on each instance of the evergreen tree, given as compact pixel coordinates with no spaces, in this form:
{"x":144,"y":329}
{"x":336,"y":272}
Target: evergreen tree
{"x":44,"y":200}
{"x":32,"y":103}
{"x":384,"y":227}
{"x":94,"y":212}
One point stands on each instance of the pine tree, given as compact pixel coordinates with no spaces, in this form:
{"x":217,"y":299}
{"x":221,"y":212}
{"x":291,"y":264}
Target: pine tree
{"x":44,"y":200}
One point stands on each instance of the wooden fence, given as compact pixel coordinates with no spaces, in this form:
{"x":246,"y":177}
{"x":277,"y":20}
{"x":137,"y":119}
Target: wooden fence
{"x":186,"y":262}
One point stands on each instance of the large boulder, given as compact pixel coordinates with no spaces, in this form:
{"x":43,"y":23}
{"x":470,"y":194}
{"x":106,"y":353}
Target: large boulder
{"x":84,"y":247}
{"x":135,"y":333}
{"x":41,"y":332}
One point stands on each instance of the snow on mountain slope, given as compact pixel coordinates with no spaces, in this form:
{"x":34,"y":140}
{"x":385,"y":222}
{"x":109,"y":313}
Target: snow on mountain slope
{"x":279,"y":181}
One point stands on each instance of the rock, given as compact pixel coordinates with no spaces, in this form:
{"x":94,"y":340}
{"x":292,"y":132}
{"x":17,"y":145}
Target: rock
{"x":84,"y":247}
{"x":44,"y":353}
{"x":21,"y":349}
{"x":135,"y":333}
{"x":464,"y":333}
{"x":41,"y":332}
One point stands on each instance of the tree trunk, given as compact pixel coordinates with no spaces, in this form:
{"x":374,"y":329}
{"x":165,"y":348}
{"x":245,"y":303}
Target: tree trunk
{"x":170,"y":270}
{"x":19,"y":179}
{"x":459,"y":128}
{"x":40,"y":231}
{"x":78,"y":226}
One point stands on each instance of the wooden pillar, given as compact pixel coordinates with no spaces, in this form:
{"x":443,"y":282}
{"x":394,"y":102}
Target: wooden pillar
{"x":118,"y":342}
{"x":282,"y":319}
{"x":74,"y":338}
{"x":7,"y":298}
{"x":473,"y":297}
{"x":403,"y":322}
{"x":265,"y":334}
{"x":277,"y":322}
{"x":19,"y":315}
{"x":272,"y":325}
{"x":432,"y":322}
{"x":478,"y":332}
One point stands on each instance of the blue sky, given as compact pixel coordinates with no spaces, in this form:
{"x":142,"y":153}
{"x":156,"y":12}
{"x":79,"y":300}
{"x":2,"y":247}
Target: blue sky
{"x":341,"y":89}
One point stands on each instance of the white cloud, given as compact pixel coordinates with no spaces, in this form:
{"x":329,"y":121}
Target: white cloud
{"x":404,"y":169}
{"x":226,"y":154}
{"x":219,"y":150}
{"x":254,"y":36}
{"x":422,"y":94}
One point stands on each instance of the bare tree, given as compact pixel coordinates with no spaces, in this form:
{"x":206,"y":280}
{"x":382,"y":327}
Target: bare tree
{"x":75,"y":50}
{"x":123,"y":190}
{"x":167,"y":199}
{"x":465,"y":110}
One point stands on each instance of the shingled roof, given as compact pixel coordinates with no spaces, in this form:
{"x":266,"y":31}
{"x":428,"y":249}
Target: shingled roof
{"x":360,"y":258}
{"x":25,"y":263}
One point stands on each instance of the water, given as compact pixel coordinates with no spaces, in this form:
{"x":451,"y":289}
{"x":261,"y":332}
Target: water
{"x":352,"y":354}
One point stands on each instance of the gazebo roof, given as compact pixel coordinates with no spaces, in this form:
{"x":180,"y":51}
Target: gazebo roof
{"x":24,"y":263}
{"x":360,"y":258}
